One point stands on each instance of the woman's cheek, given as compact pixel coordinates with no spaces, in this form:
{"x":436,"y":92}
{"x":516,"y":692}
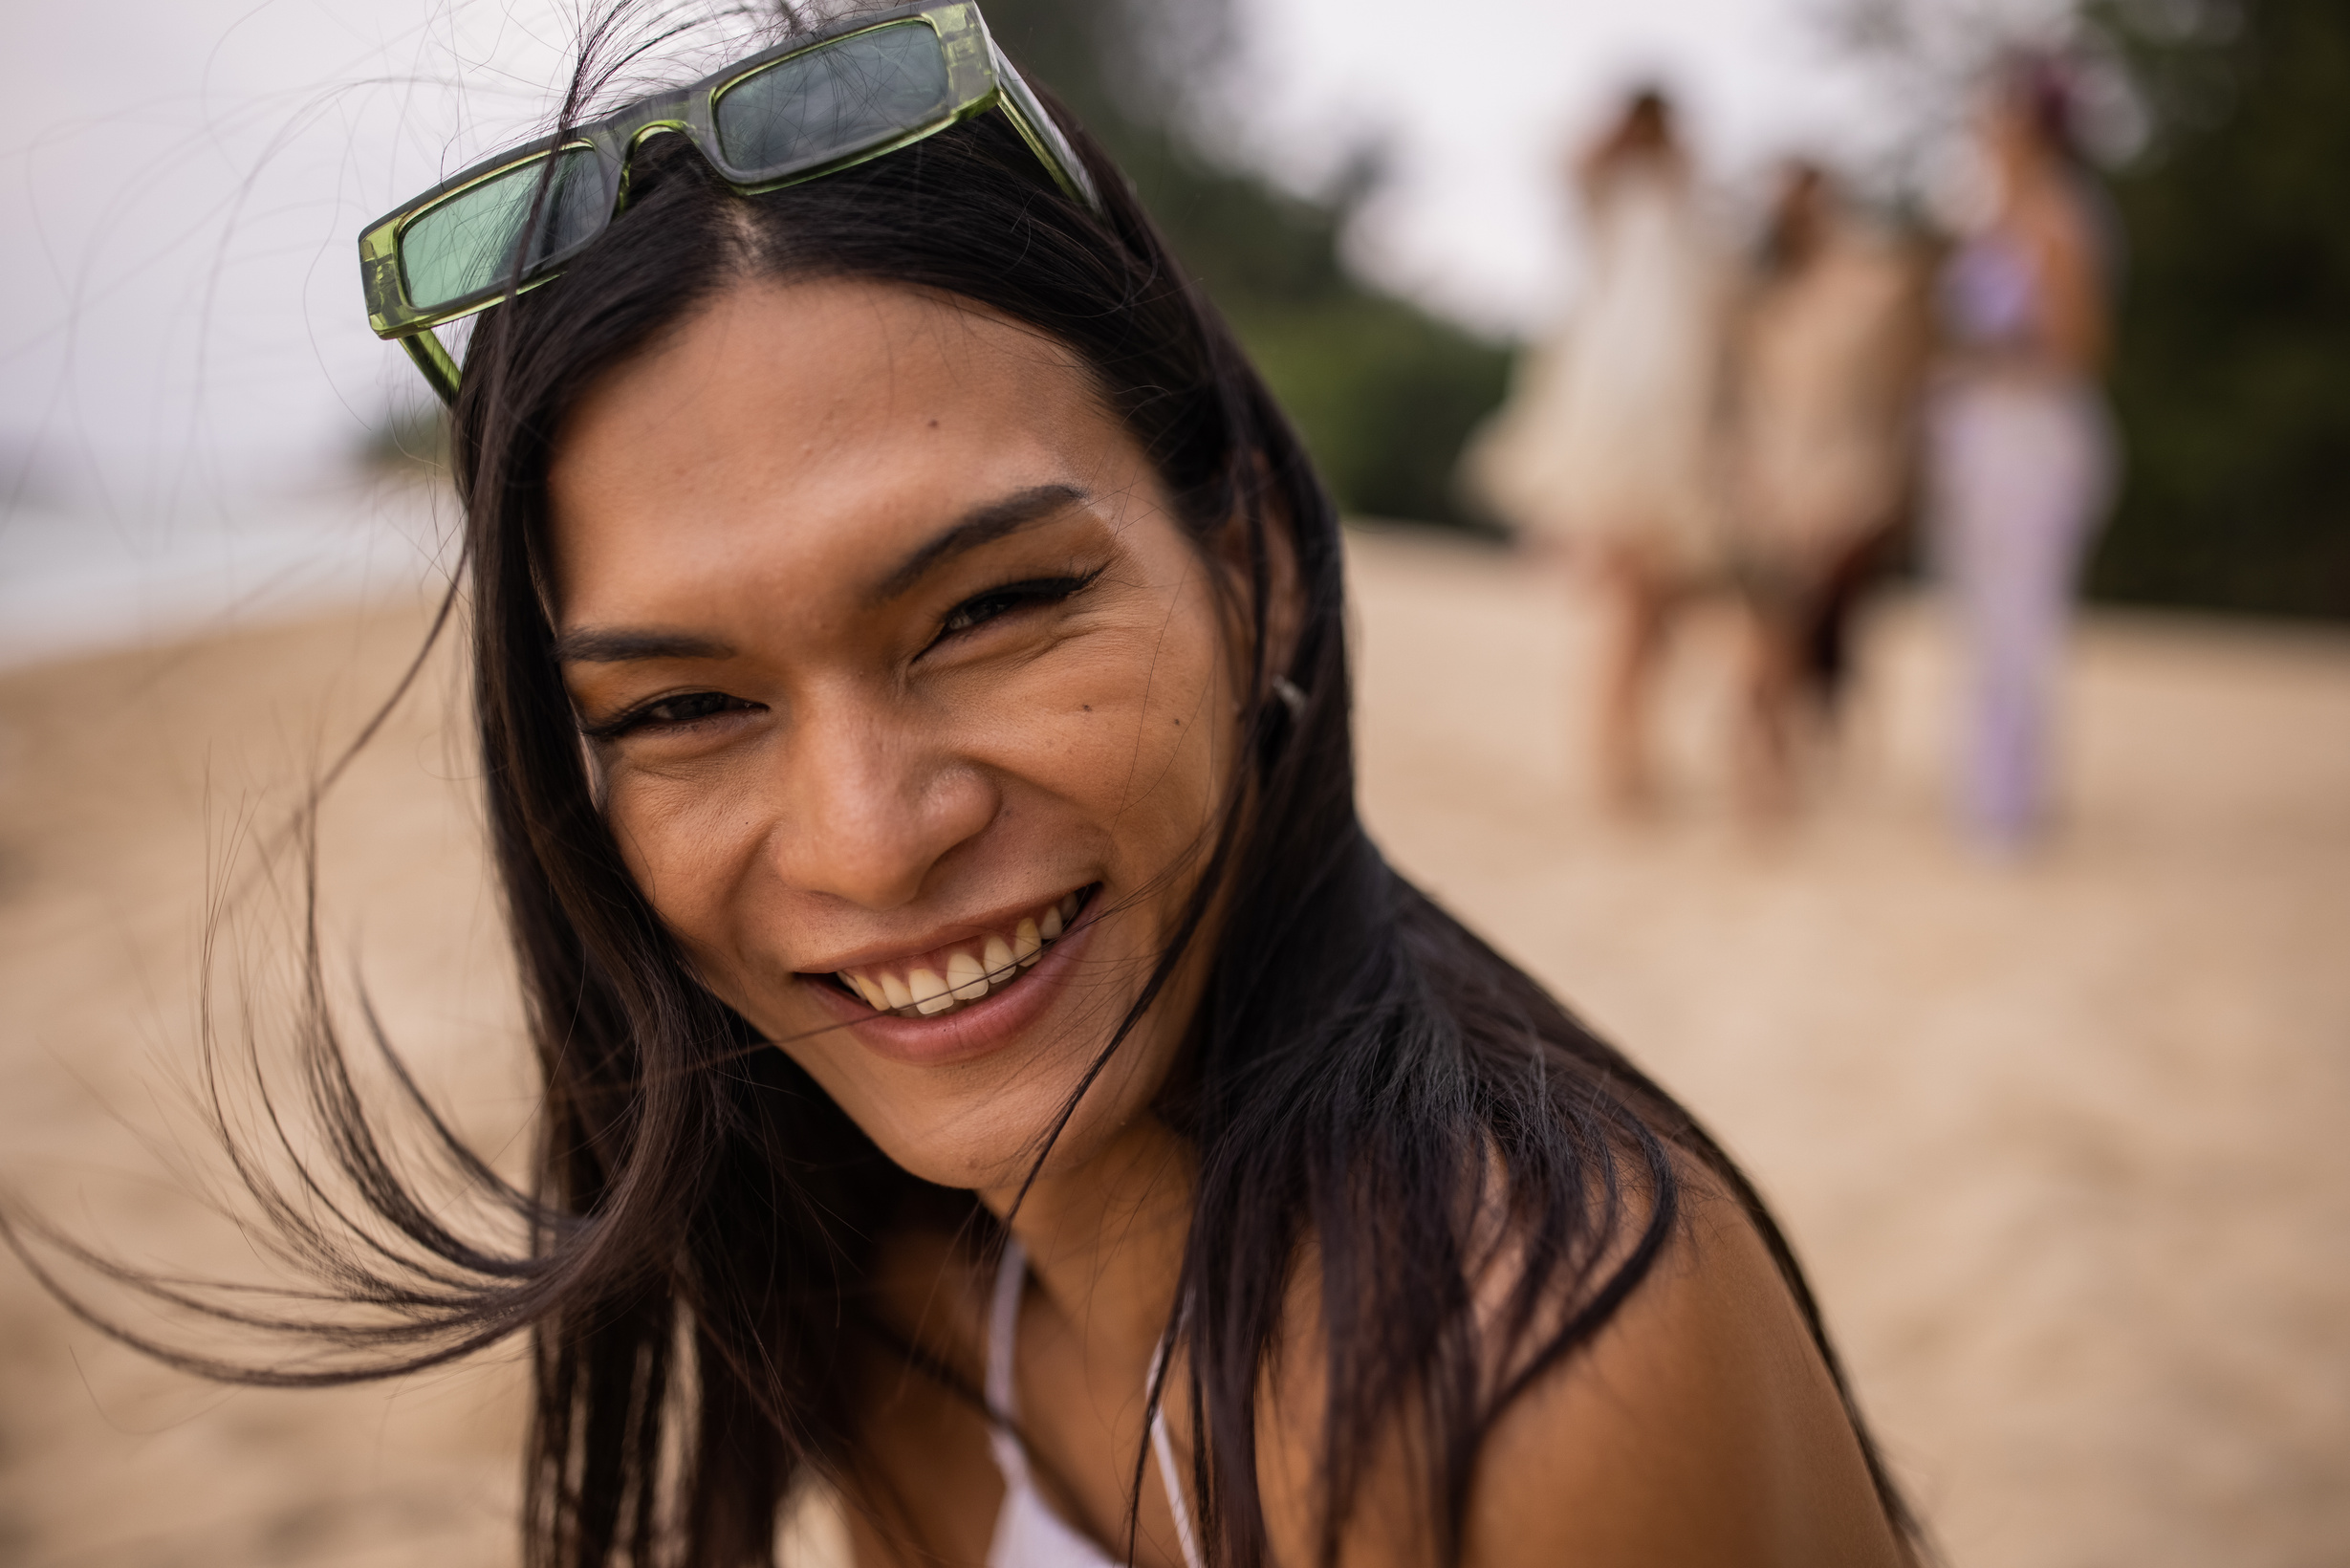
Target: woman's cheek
{"x":1110,"y":728}
{"x":683,"y":841}
{"x":1183,"y":718}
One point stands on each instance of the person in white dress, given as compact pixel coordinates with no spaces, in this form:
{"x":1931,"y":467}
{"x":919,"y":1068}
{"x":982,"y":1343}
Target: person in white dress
{"x":1610,"y":445}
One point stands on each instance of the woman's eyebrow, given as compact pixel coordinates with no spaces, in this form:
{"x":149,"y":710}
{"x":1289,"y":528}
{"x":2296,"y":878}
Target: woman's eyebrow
{"x":981,"y":525}
{"x":598,"y":645}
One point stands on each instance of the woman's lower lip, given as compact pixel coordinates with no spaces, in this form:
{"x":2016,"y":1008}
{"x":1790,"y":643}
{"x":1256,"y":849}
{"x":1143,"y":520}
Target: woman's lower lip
{"x":974,"y":1029}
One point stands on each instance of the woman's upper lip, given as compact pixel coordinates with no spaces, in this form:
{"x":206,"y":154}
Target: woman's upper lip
{"x":999,"y":922}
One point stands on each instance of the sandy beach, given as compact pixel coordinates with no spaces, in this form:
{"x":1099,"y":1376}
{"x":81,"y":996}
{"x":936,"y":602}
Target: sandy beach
{"x":2060,"y":1141}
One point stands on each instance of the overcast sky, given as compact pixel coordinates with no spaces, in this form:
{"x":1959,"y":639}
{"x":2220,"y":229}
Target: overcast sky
{"x":186,"y":180}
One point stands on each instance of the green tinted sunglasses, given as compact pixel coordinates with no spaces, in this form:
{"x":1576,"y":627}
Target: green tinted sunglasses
{"x":805,"y":108}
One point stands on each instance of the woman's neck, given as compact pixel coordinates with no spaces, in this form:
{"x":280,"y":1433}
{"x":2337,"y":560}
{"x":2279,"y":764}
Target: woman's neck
{"x":1105,"y":1237}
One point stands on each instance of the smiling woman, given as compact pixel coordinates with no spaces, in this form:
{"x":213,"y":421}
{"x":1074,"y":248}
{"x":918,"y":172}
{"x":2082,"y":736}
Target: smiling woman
{"x":987,"y":1067}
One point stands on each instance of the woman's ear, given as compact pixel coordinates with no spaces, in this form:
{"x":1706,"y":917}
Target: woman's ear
{"x":1284,"y":595}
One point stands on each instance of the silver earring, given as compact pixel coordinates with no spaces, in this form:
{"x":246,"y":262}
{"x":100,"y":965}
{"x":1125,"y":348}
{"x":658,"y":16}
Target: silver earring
{"x":1291,"y":697}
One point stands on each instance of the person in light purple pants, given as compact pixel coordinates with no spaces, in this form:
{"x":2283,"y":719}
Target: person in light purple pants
{"x":2022,"y":449}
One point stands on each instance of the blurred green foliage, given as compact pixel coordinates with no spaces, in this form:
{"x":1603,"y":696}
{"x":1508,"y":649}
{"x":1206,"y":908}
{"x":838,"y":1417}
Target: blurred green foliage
{"x":2231,"y":376}
{"x":1383,"y":393}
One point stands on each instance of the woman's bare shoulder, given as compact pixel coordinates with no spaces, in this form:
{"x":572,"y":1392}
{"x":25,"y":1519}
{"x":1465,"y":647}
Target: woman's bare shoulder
{"x":1700,"y":1426}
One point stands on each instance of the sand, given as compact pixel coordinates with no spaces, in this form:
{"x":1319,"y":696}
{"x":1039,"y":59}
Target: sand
{"x":2059,"y":1142}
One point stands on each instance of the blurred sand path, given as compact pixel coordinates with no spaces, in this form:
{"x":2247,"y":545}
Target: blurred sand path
{"x":2061,"y":1142}
{"x":125,"y":781}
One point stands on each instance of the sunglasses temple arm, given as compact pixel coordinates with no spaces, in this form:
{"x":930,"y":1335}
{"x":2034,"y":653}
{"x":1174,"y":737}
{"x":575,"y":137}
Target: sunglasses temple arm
{"x":440,"y":370}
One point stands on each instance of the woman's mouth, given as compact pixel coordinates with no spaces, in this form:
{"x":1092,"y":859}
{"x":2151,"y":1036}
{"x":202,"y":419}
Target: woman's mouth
{"x":934,"y":984}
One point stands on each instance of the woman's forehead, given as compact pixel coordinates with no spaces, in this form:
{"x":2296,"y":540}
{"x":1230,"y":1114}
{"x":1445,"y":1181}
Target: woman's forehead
{"x":815,"y":430}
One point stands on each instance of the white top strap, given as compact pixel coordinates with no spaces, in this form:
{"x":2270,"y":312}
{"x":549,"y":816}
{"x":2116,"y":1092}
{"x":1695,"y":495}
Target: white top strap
{"x":1165,"y":1447}
{"x":1004,"y":1409}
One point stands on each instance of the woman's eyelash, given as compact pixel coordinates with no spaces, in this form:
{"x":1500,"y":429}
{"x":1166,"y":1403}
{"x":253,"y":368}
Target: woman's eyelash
{"x":981,"y":608}
{"x":681,"y":709}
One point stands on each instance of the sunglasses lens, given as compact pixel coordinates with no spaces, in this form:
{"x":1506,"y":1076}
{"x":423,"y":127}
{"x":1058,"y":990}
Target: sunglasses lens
{"x":834,"y":100}
{"x":468,"y":243}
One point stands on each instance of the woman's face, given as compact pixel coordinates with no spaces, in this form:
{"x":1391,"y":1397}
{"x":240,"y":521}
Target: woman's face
{"x":911,"y":703}
{"x":2011,"y":134}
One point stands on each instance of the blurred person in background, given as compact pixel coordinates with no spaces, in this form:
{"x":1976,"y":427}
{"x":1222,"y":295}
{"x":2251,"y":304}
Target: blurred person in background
{"x":2020,"y":446}
{"x":1609,"y":446}
{"x":985,"y":1066}
{"x":1828,"y":349}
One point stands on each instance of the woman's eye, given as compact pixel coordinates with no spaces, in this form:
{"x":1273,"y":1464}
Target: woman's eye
{"x":670,"y":713}
{"x":985,"y":607}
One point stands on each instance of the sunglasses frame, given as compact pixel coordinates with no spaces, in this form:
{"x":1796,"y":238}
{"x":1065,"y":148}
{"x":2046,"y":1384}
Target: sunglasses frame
{"x":978,"y":79}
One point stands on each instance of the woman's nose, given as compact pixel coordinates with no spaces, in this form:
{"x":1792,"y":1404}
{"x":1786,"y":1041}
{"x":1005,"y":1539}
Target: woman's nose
{"x":870,"y":809}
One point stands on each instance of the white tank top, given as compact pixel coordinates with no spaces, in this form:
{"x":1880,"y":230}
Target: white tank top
{"x":1028,"y":1534}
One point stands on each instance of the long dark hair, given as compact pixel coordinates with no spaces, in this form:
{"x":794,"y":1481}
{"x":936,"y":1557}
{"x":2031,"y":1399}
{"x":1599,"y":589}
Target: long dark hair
{"x":1363,"y":1074}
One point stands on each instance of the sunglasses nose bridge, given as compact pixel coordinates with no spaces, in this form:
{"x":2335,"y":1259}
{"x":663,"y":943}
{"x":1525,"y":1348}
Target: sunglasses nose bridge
{"x":670,"y":119}
{"x":667,"y":126}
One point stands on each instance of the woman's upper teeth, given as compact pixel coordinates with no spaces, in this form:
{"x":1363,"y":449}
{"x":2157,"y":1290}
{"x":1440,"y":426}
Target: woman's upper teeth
{"x":937,"y":982}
